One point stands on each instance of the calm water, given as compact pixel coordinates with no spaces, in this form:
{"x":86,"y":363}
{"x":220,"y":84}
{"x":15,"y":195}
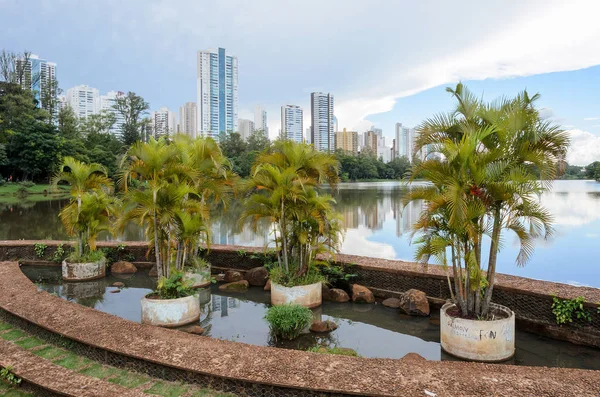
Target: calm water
{"x":371,"y":330}
{"x":378,"y":226}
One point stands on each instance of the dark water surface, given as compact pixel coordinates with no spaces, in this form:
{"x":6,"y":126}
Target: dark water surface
{"x":371,"y":330}
{"x":378,"y":226}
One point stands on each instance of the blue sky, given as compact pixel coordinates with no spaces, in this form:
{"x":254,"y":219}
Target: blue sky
{"x":385,"y":61}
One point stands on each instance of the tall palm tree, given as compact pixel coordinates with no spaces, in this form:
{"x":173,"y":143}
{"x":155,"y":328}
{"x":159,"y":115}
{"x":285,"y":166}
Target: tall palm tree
{"x":483,"y":168}
{"x":284,"y":191}
{"x":83,"y":179}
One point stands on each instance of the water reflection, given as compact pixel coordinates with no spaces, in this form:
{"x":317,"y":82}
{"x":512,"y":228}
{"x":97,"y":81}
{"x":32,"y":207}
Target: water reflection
{"x":379,"y":226}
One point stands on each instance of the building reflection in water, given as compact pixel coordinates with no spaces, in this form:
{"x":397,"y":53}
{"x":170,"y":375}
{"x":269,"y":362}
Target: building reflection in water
{"x":222,"y":304}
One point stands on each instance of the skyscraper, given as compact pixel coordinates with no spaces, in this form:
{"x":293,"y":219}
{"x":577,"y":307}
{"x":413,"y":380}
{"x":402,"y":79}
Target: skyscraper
{"x":322,"y":134}
{"x":347,"y":141}
{"x":188,"y":123}
{"x":246,"y":128}
{"x":371,"y":139}
{"x":217,"y":88}
{"x":260,"y":119}
{"x":84,"y":100}
{"x":404,"y":141}
{"x":163,"y":122}
{"x":37,"y":73}
{"x":292,"y":123}
{"x":106,"y":104}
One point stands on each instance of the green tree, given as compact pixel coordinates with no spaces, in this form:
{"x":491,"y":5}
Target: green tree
{"x":592,"y":171}
{"x":34,"y":150}
{"x":133,"y":108}
{"x":484,"y":181}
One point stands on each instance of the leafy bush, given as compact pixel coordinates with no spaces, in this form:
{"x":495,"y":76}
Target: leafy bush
{"x":27,"y":184}
{"x":279,"y":276}
{"x":59,"y":254}
{"x":342,"y":351}
{"x":8,"y":377}
{"x":173,"y":287}
{"x":197,"y":264}
{"x":288,"y":321}
{"x":566,"y":309}
{"x":338,"y":276}
{"x":90,"y":256}
{"x":39,"y":249}
{"x":2,"y":181}
{"x":22,"y":191}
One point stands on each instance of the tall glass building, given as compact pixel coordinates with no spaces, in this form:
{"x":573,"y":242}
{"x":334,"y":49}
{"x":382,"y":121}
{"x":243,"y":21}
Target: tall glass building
{"x":292,"y":123}
{"x":322,"y":130}
{"x":217,"y":92}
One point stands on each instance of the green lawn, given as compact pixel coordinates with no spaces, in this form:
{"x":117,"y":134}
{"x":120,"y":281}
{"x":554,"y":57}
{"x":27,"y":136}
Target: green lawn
{"x":9,"y":189}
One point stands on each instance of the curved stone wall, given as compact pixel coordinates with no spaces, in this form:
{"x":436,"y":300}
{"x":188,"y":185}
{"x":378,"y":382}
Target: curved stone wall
{"x":264,"y":371}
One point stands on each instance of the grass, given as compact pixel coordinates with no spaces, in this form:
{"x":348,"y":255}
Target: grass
{"x":73,"y":361}
{"x":49,"y":352}
{"x":5,"y":391}
{"x":13,"y":334}
{"x":166,"y":390}
{"x":30,"y":342}
{"x":4,"y":326}
{"x":210,"y":393}
{"x":11,"y":188}
{"x":128,"y":379}
{"x":99,"y":371}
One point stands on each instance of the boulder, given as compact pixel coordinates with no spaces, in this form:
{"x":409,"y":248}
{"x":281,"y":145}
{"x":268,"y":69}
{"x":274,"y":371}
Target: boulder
{"x":118,"y":284}
{"x":115,"y":291}
{"x":325,"y":292}
{"x":220,"y":277}
{"x":362,"y":294}
{"x":323,"y":326}
{"x":192,"y":329}
{"x":268,"y":285}
{"x":123,"y":268}
{"x":338,"y":295}
{"x":236,"y":286}
{"x":153,"y":272}
{"x":232,"y":276}
{"x":414,"y":303}
{"x":257,"y":276}
{"x":394,"y":303}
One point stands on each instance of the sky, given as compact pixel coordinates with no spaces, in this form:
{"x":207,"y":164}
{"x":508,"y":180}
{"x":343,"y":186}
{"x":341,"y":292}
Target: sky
{"x":384,"y":61}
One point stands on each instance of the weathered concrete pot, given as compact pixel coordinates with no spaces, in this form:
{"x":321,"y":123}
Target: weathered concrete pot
{"x":170,"y":312}
{"x":199,"y":278}
{"x":83,"y":271}
{"x":304,"y":295}
{"x":487,"y":341}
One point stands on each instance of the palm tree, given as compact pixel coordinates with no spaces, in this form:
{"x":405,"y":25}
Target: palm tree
{"x":83,"y":179}
{"x":284,"y":191}
{"x":483,"y":166}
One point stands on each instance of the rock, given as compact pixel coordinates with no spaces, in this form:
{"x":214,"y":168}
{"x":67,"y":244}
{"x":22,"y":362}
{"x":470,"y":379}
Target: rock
{"x":323,"y":326}
{"x":153,"y":272}
{"x":268,"y":285}
{"x":257,"y":276}
{"x":118,"y":284}
{"x":236,"y":286}
{"x":362,"y":294}
{"x":123,"y":268}
{"x":338,"y":295}
{"x":220,"y":277}
{"x":414,"y":357}
{"x":325,"y":292}
{"x":394,"y":303}
{"x":232,"y":276}
{"x":414,"y":303}
{"x":115,"y":291}
{"x":192,"y":329}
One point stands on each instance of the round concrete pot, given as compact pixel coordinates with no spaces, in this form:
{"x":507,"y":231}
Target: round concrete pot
{"x":486,"y":341}
{"x":303,"y":295}
{"x":83,"y":271}
{"x":170,"y":312}
{"x":199,"y":278}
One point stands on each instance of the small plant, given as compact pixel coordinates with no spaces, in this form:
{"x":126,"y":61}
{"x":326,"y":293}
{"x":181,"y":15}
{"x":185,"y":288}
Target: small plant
{"x":39,"y":249}
{"x":27,"y":184}
{"x":342,"y":351}
{"x":288,"y":321}
{"x":566,"y":310}
{"x":173,"y":287}
{"x":339,"y":276}
{"x":59,"y":254}
{"x":7,"y":376}
{"x":242,"y":253}
{"x":197,"y":264}
{"x":281,"y":277}
{"x":89,"y":256}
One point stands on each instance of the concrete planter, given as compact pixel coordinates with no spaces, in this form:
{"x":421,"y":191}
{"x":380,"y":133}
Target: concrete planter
{"x":83,"y":271}
{"x":199,"y":278}
{"x":170,"y":312}
{"x":487,"y":341}
{"x":304,"y":295}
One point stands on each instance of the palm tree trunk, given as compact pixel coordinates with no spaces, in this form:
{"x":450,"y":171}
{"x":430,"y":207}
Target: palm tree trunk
{"x":491,"y":272}
{"x":159,"y":268}
{"x":284,"y":239}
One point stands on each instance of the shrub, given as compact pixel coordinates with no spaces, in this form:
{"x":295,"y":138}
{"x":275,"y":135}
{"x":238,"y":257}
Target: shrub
{"x":59,"y":254}
{"x":173,"y":287}
{"x":338,"y":276}
{"x":281,"y":277}
{"x":22,"y":191}
{"x":566,"y":309}
{"x":197,"y":264}
{"x":288,"y":321}
{"x":39,"y":249}
{"x":89,"y":256}
{"x":27,"y":184}
{"x":8,"y":377}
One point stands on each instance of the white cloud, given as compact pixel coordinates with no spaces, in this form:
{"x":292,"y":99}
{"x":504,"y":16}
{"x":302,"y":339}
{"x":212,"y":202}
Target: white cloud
{"x":585,"y":147}
{"x":591,"y":118}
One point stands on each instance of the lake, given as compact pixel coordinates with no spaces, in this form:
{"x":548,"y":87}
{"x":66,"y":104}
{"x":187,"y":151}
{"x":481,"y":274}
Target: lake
{"x":378,"y":226}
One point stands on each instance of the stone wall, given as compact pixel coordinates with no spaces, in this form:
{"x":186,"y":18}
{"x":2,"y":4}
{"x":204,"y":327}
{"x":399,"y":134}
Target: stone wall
{"x":531,"y":300}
